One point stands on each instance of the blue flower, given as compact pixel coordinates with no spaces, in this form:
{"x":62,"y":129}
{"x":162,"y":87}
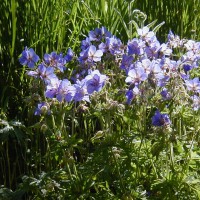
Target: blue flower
{"x":28,"y":58}
{"x":93,"y":54}
{"x":69,"y":55}
{"x":98,"y":34}
{"x":196,"y":102}
{"x":42,"y":108}
{"x":85,"y":44}
{"x":165,"y":94}
{"x":104,"y":47}
{"x":193,"y":85}
{"x":187,"y":67}
{"x":126,"y":62}
{"x":95,"y":81}
{"x":135,"y":46}
{"x":52,"y":88}
{"x":146,"y":35}
{"x":81,"y":93}
{"x":115,"y":45}
{"x":136,"y":76}
{"x":160,"y":119}
{"x":131,"y":94}
{"x":65,"y":91}
{"x":45,"y":73}
{"x":55,"y":60}
{"x":90,"y":55}
{"x":152,"y":50}
{"x":95,"y":35}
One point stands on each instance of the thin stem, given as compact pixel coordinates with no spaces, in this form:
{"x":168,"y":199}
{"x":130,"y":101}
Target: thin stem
{"x":8,"y":161}
{"x":73,"y":118}
{"x":119,"y":174}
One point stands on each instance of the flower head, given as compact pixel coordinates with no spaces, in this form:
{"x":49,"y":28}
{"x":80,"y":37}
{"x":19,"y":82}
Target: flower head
{"x":52,"y":88}
{"x":135,"y":46}
{"x":45,"y":73}
{"x":95,"y":81}
{"x":90,"y":55}
{"x":131,"y":94}
{"x":81,"y":93}
{"x":126,"y":62}
{"x":196,"y":102}
{"x":42,"y":108}
{"x":165,"y":94}
{"x":136,"y":76}
{"x":160,"y":119}
{"x":55,"y":60}
{"x":98,"y":34}
{"x":69,"y":55}
{"x":65,"y":91}
{"x":193,"y":84}
{"x":28,"y":57}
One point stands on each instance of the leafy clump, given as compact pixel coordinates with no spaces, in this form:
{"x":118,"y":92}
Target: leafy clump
{"x":121,"y":120}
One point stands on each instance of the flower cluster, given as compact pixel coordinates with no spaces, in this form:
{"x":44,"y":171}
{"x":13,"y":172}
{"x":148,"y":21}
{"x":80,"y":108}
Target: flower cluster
{"x":146,"y":64}
{"x":61,"y":89}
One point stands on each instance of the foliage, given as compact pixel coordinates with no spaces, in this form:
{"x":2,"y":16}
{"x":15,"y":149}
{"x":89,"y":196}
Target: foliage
{"x":128,"y":137}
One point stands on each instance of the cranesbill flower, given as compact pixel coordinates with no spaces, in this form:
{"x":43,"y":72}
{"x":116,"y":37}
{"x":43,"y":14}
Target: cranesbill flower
{"x":93,"y":54}
{"x":164,"y":49}
{"x":28,"y":58}
{"x":126,"y":62}
{"x":85,"y":44}
{"x":81,"y":93}
{"x":135,"y":46}
{"x":52,"y":88}
{"x":193,"y":84}
{"x":104,"y":47}
{"x":173,"y":40}
{"x":146,"y":35}
{"x":187,"y":67}
{"x":146,"y":64}
{"x":136,"y":76}
{"x":160,"y":119}
{"x":196,"y":102}
{"x":69,"y":55}
{"x":155,"y":73}
{"x":191,"y":58}
{"x":191,"y":45}
{"x":95,"y":35}
{"x":45,"y":73}
{"x":115,"y":45}
{"x":90,"y":55}
{"x":51,"y":59}
{"x":65,"y":91}
{"x":165,"y":94}
{"x":42,"y":108}
{"x":105,"y":33}
{"x":152,"y":50}
{"x":95,"y":81}
{"x":55,"y":60}
{"x":131,"y":94}
{"x":98,"y":34}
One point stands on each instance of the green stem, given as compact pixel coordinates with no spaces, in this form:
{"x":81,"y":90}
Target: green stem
{"x":172,"y":156}
{"x":8,"y":162}
{"x":73,"y":118}
{"x":119,"y":174}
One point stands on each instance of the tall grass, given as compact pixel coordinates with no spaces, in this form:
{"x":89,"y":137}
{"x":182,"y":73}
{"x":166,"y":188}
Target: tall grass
{"x":181,"y":16}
